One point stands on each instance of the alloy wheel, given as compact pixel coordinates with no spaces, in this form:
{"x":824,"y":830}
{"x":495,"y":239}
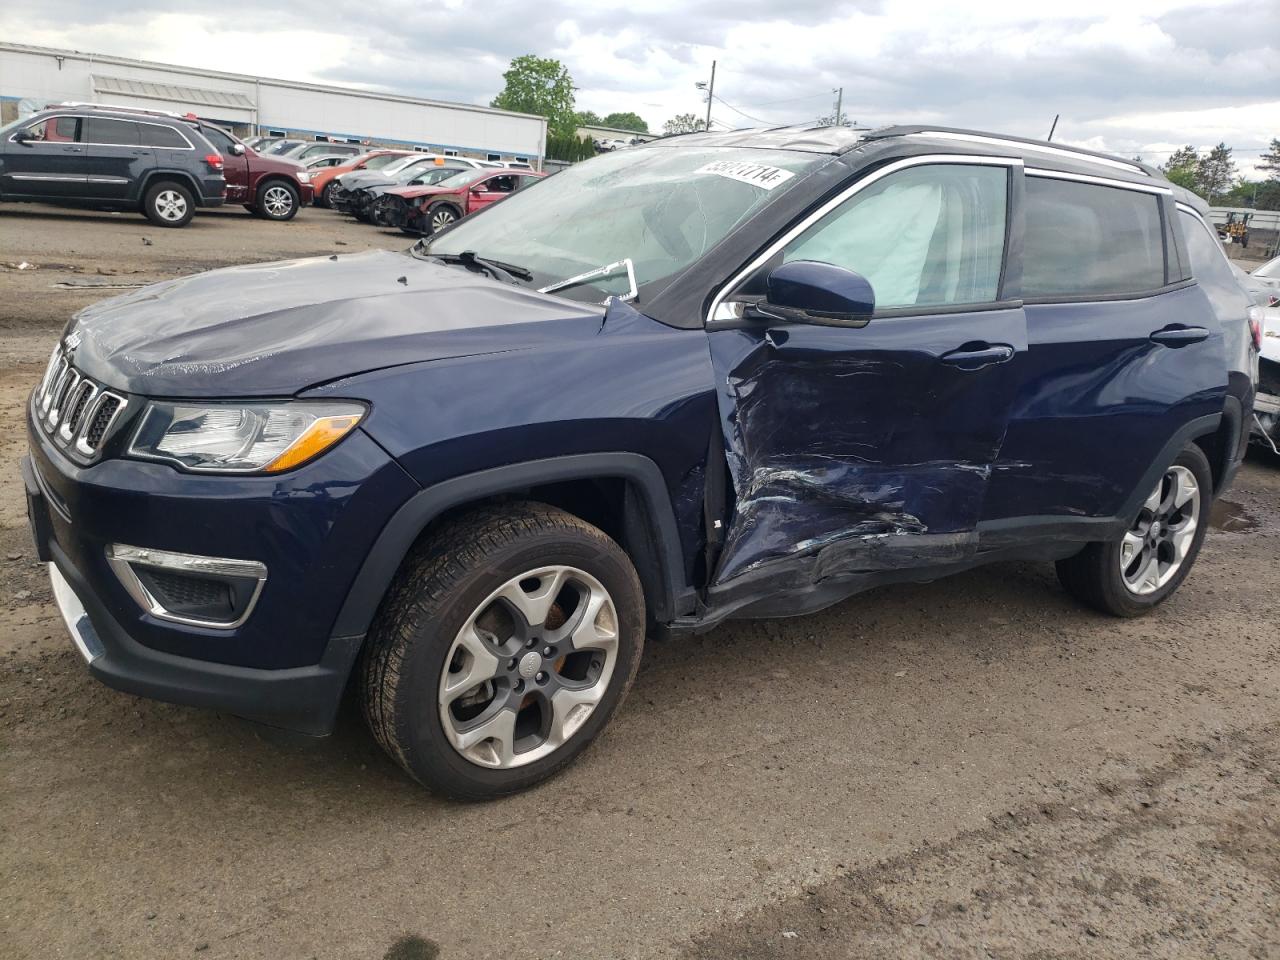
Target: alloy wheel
{"x":171,"y":205}
{"x":1156,"y":546}
{"x":529,"y":667}
{"x":278,"y":201}
{"x":442,"y":218}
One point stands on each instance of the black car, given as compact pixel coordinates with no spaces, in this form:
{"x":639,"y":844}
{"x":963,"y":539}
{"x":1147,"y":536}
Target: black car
{"x":716,"y":376}
{"x":84,"y":156}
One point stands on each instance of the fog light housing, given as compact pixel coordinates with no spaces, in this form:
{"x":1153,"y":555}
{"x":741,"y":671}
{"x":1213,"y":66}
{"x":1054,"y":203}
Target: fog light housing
{"x":214,"y":592}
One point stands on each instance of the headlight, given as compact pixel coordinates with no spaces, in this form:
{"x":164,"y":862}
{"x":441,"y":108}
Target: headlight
{"x":242,"y":437}
{"x":304,"y":176}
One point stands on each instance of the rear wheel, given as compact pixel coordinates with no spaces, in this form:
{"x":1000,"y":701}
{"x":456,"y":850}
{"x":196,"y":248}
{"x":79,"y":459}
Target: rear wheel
{"x":502,"y":650}
{"x":278,"y":200}
{"x":1129,"y":576}
{"x":169,"y":204}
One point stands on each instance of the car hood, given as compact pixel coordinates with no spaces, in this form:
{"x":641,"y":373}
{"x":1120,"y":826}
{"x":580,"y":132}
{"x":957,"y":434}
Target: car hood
{"x":409,"y":193}
{"x":274,"y":329}
{"x":359,"y":179}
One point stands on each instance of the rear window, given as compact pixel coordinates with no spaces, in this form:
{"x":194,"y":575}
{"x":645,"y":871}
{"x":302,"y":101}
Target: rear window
{"x":1086,"y":240}
{"x":156,"y":135}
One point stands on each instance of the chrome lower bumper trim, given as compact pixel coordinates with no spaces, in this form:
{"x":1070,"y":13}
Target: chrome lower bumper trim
{"x":77,"y":621}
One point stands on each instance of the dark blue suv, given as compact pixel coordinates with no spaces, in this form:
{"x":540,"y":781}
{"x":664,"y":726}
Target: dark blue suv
{"x":714,"y":376}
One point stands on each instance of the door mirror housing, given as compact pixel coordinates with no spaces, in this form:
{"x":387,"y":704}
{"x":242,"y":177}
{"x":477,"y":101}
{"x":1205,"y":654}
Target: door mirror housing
{"x":237,"y":149}
{"x":809,"y":291}
{"x":23,"y":136}
{"x":479,"y":188}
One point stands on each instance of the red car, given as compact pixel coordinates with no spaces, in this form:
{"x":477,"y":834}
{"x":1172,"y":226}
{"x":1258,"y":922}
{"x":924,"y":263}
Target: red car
{"x":429,"y":209}
{"x":373,"y":160}
{"x":268,"y":187}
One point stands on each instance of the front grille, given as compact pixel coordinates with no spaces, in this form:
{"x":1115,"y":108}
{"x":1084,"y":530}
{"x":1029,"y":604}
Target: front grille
{"x":73,"y":409}
{"x":175,"y":591}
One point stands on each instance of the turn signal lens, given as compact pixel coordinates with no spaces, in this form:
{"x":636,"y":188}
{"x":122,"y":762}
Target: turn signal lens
{"x":317,"y":438}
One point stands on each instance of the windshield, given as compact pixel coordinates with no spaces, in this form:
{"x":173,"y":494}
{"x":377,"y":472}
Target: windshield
{"x":1269,"y":271}
{"x":382,"y":160}
{"x":440,"y":177}
{"x":401,"y":162}
{"x":411,"y":171}
{"x":660,"y":208}
{"x":283,"y":145}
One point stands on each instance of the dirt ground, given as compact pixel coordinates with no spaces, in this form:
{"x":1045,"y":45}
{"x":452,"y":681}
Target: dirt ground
{"x":971,"y":768}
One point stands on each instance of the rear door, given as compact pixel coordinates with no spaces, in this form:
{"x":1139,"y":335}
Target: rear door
{"x":1123,"y":353}
{"x":117,"y":159}
{"x":868,"y":449}
{"x":51,"y":163}
{"x":234,"y":168}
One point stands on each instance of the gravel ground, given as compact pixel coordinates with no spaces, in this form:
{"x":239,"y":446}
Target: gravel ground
{"x":972,"y":768}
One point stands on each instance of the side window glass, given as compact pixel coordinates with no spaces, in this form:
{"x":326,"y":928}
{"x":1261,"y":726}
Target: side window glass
{"x":221,"y":142}
{"x":112,"y":132}
{"x":155,"y":135}
{"x":1084,"y":239}
{"x":927,"y":236}
{"x":54,"y":130}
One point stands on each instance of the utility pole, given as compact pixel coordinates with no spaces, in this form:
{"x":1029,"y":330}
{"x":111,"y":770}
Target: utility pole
{"x":1054,"y":127}
{"x":839,"y":100}
{"x":711,"y":92}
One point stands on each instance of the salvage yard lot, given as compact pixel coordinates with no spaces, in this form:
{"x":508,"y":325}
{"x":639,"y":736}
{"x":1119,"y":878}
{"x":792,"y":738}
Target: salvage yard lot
{"x":976,"y":767}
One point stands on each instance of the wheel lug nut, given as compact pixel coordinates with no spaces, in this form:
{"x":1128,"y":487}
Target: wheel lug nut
{"x":548,"y":651}
{"x":541,"y":677}
{"x":511,"y":664}
{"x":519,"y":685}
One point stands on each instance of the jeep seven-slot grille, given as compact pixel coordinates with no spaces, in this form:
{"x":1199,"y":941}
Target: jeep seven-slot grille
{"x":73,"y":409}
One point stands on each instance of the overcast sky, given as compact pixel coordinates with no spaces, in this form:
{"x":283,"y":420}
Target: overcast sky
{"x":1127,"y":76}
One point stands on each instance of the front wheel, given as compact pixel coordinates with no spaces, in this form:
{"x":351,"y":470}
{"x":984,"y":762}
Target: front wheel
{"x":504,"y":647}
{"x":1129,"y":576}
{"x":441,"y":216}
{"x":277,"y":200}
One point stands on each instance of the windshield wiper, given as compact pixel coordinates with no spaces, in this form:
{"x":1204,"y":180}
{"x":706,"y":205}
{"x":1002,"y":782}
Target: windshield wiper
{"x":509,"y":272}
{"x":604,"y":271}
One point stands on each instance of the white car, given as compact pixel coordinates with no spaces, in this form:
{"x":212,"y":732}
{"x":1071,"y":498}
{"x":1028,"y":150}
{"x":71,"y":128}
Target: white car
{"x":1263,"y":285}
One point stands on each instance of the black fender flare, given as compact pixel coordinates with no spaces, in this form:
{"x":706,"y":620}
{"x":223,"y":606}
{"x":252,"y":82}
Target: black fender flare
{"x":404,"y":527}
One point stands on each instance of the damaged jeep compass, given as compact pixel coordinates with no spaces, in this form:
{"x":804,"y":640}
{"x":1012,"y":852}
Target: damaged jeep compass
{"x":720,"y":375}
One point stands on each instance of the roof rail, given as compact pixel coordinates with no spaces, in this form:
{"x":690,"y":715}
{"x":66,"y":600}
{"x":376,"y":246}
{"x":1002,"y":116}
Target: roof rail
{"x":1024,"y":143}
{"x":118,"y":108}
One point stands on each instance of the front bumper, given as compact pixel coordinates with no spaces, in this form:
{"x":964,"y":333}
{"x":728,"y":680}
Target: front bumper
{"x":311,"y":528}
{"x":304,"y":699}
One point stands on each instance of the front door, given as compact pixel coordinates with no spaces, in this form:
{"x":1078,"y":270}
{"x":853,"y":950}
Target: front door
{"x":856,"y":450}
{"x":117,"y":160}
{"x":490,"y":191}
{"x":49,"y":162}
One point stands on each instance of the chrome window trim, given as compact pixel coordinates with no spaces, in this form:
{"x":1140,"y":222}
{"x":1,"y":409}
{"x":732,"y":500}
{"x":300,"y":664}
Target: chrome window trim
{"x":121,"y":557}
{"x":932,"y":159}
{"x":1046,"y":174}
{"x":91,"y":143}
{"x":1021,"y":145}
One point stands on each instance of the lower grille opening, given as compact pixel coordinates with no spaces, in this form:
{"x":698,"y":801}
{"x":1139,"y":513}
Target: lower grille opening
{"x":199,"y":598}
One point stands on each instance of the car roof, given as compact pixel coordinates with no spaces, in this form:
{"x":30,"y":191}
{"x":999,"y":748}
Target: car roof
{"x":839,"y":141}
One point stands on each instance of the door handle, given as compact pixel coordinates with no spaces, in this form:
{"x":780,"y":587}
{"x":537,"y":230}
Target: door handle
{"x":1172,"y":336}
{"x":73,"y":149}
{"x":975,"y":356}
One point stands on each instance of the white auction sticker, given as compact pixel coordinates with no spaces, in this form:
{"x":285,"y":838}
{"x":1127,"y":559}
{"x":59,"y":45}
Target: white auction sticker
{"x":757,"y":174}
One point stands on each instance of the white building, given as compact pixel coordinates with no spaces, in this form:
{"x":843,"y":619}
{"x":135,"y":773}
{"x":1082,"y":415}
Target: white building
{"x":32,"y":77}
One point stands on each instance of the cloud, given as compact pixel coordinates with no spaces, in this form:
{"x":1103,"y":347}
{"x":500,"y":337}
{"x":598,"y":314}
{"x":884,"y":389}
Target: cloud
{"x":1131,"y":77}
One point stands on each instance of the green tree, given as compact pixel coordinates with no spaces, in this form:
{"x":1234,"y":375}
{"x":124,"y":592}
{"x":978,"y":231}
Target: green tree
{"x":1268,"y":197}
{"x":1183,"y":168}
{"x":627,"y":121}
{"x":541,"y":86}
{"x":684,"y":123}
{"x":1216,"y":172}
{"x":588,"y":118}
{"x":831,"y":120}
{"x":1269,"y":162}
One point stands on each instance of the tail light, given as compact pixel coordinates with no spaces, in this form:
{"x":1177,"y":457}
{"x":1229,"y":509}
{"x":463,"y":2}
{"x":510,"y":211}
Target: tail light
{"x":1255,"y":327}
{"x":214,"y":160}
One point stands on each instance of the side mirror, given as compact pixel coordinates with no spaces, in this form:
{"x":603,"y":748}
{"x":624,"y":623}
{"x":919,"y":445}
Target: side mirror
{"x":237,"y":149}
{"x":22,"y":136}
{"x":480,"y":188}
{"x":808,"y":291}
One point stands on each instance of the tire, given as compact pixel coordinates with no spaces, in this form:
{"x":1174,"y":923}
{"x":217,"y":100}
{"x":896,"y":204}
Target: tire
{"x":278,"y":200}
{"x":325,"y":199}
{"x":454,"y":611}
{"x":1127,"y":577}
{"x":441,"y":216}
{"x":168,"y":204}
